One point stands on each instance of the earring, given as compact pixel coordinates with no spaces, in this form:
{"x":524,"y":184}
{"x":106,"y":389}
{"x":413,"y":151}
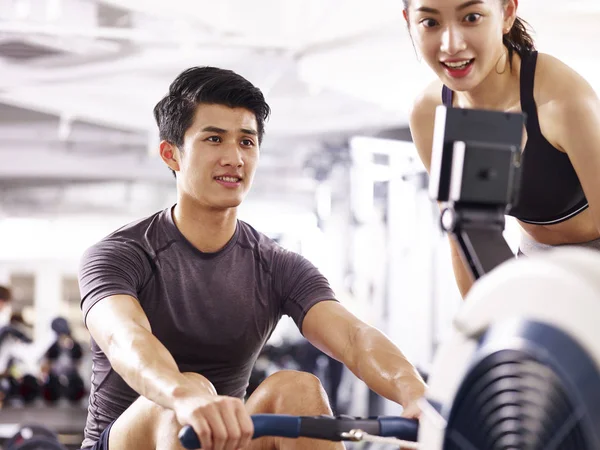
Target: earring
{"x":505,"y":53}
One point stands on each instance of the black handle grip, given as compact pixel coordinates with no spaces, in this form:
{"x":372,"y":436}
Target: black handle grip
{"x":399,"y":427}
{"x":264,"y":425}
{"x":321,"y":427}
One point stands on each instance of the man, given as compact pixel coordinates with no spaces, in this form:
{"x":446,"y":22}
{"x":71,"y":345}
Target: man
{"x":179,"y":304}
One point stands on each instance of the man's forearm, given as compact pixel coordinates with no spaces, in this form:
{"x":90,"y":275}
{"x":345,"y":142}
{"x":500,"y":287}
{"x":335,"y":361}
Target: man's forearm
{"x":383,"y":367}
{"x":147,"y":366}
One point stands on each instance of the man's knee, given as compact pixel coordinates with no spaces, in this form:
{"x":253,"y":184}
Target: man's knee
{"x":200,"y":380}
{"x":144,"y":421}
{"x":148,"y":414}
{"x":294,"y":386}
{"x":288,"y":379}
{"x":139,"y":426}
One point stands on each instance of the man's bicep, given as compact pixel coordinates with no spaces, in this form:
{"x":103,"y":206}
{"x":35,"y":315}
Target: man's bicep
{"x":114,"y":313}
{"x":111,"y":268}
{"x":302,"y":286}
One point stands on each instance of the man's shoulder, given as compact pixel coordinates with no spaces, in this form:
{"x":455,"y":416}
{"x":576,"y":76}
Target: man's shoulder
{"x":263,"y":247}
{"x":141,"y":226}
{"x":251,"y":236}
{"x":145,"y":234}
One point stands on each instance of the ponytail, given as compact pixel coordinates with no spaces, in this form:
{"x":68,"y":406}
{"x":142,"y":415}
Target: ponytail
{"x":518,"y":39}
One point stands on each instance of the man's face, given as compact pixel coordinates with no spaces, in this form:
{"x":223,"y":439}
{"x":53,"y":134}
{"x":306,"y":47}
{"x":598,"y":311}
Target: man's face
{"x":219,"y":156}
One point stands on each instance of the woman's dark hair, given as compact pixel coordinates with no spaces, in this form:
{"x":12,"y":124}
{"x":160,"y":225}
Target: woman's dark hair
{"x":516,"y":40}
{"x":174,"y":114}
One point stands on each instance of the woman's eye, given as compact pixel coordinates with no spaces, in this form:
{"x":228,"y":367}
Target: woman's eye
{"x":429,"y":23}
{"x":473,"y":18}
{"x":214,"y":139}
{"x":247,"y":143}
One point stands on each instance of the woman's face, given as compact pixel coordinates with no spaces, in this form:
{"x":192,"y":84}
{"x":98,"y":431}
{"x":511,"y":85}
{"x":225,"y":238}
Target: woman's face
{"x":460,"y":40}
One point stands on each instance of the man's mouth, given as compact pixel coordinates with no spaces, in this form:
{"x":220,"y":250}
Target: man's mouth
{"x":229,"y":179}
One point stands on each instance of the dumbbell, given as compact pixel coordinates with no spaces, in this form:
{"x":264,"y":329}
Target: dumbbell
{"x":29,"y":388}
{"x":73,"y":387}
{"x":69,"y":385}
{"x":34,"y":437}
{"x":51,"y":388}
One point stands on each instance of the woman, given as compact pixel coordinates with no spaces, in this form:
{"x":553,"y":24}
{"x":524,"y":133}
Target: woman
{"x":484,"y":59}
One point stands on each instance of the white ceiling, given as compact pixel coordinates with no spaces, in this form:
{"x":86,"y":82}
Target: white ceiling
{"x":79,"y":79}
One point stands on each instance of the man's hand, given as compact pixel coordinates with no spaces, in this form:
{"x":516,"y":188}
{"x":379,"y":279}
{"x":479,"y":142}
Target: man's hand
{"x":221,"y":422}
{"x":412,"y":411}
{"x":411,"y":390}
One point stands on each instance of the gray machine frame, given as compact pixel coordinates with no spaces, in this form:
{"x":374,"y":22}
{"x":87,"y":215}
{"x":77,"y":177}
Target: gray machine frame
{"x":476,"y":172}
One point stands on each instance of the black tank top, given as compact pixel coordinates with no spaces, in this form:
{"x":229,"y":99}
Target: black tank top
{"x":550,"y":189}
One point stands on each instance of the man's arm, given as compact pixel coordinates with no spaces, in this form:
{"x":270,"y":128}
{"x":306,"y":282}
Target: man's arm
{"x":121,"y":329}
{"x":110,"y":275}
{"x":367,"y":352}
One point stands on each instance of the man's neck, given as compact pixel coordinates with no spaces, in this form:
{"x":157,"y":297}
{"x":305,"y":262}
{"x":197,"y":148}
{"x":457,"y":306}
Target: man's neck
{"x":209,"y":230}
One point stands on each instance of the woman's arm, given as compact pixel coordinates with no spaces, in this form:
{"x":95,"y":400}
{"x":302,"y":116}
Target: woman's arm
{"x":572,"y":108}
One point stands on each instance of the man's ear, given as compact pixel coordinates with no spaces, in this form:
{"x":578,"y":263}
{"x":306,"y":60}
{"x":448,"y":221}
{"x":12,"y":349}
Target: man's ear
{"x":170,"y":155}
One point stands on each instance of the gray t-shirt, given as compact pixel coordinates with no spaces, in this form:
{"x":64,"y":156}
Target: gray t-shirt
{"x":212,"y":311}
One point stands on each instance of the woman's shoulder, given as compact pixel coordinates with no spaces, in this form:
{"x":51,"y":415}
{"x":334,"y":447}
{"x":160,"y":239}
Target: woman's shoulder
{"x":425,"y":103}
{"x":564,"y":100}
{"x":555,"y":80}
{"x":422,"y":117}
{"x":551,"y":65}
{"x":429,"y":97}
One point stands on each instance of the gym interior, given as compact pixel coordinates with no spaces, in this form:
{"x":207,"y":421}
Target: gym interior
{"x":339,"y":179}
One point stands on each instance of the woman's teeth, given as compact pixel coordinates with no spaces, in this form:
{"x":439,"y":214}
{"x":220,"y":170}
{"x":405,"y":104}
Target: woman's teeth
{"x":458,"y":64}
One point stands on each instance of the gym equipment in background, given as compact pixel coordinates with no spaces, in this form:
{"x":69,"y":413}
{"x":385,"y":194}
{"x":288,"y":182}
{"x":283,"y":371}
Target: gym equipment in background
{"x":34,"y":437}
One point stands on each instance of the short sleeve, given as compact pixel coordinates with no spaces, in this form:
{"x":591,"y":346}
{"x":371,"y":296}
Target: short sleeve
{"x":300,"y":285}
{"x":112,"y":267}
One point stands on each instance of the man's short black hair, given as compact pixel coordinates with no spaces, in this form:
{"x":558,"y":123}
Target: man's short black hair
{"x":174,"y":114}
